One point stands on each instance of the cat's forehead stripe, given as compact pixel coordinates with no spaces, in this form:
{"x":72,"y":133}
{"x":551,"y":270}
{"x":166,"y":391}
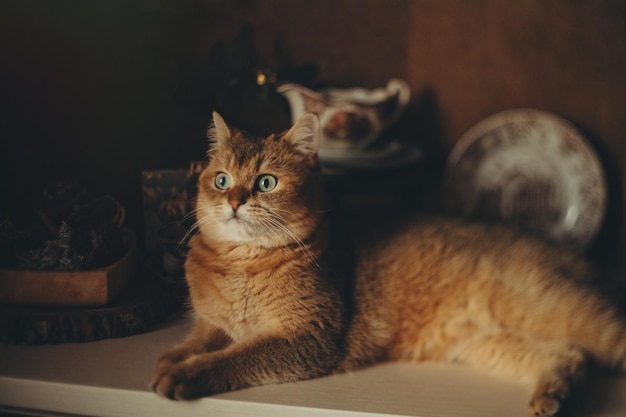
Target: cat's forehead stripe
{"x":244,"y":149}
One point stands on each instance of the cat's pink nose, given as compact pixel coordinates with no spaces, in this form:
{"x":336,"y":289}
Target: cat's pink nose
{"x":237,"y":196}
{"x":235,"y":204}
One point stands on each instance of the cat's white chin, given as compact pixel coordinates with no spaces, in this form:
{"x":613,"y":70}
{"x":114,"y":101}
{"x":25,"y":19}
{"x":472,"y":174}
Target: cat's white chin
{"x":242,"y":229}
{"x":240,"y":232}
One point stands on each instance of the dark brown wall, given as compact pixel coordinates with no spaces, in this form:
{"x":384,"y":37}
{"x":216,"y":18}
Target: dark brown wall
{"x":98,"y":84}
{"x":88,"y":90}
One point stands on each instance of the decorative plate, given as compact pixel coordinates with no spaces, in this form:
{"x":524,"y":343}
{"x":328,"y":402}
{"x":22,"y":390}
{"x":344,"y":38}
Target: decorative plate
{"x":529,"y":168}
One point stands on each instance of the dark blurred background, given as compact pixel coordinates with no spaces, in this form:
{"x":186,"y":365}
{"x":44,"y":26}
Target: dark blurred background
{"x":101,"y":90}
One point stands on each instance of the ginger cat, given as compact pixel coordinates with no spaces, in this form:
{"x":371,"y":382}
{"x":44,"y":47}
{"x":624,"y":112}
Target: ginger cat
{"x":267,"y":309}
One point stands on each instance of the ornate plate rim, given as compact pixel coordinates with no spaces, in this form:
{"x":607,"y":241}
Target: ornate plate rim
{"x":500,"y":119}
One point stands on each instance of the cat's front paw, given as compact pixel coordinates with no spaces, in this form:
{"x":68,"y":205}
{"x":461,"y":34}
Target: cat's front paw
{"x":173,"y":384}
{"x":187,"y":380}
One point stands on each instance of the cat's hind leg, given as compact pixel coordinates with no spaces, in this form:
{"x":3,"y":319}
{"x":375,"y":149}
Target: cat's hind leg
{"x":553,"y":368}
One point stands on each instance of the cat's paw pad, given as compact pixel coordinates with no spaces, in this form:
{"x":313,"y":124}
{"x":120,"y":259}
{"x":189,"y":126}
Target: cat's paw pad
{"x":544,"y":406}
{"x":548,"y":399}
{"x":175,"y":384}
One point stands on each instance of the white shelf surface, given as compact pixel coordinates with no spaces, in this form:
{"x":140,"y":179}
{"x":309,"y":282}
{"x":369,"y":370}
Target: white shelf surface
{"x":110,"y":378}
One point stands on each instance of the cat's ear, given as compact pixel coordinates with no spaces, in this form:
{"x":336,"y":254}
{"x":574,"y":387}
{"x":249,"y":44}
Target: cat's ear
{"x":218,"y":132}
{"x":304,"y":135}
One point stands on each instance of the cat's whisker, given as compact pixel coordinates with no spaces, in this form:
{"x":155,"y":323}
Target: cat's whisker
{"x":328,"y":210}
{"x":188,"y":234}
{"x":189,"y":215}
{"x":191,"y":229}
{"x":195,"y":227}
{"x":276,"y":221}
{"x":276,"y":209}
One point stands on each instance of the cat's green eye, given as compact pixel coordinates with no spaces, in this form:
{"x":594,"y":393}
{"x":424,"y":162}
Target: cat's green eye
{"x":222,"y":181}
{"x":266,"y":183}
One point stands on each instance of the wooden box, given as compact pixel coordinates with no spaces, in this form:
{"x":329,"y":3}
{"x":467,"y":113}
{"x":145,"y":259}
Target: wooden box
{"x":89,"y":288}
